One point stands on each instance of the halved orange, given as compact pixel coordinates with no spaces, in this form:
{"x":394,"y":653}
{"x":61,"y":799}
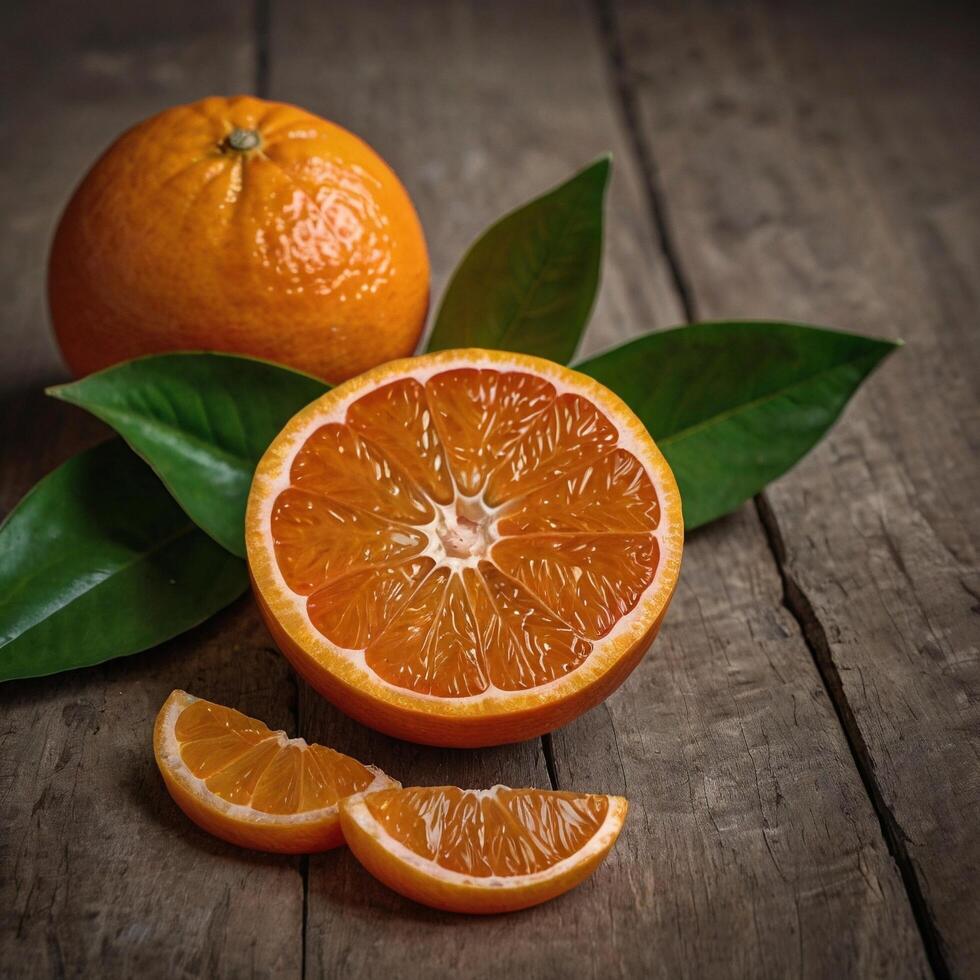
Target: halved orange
{"x":465,"y":548}
{"x":482,"y":851}
{"x":251,"y":786}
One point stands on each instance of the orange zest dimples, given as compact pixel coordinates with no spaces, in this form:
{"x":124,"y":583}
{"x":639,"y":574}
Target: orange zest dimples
{"x":481,"y":851}
{"x":245,"y":226}
{"x":254,"y":787}
{"x":465,"y":548}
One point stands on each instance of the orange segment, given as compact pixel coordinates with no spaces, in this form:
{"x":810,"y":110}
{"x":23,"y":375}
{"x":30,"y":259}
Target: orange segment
{"x":329,"y":776}
{"x":466,"y":547}
{"x":590,"y":581}
{"x":236,"y":782}
{"x":503,"y":833}
{"x":530,"y":645}
{"x":481,"y":414}
{"x":397,"y":419}
{"x":612,"y":493}
{"x":432,"y":647}
{"x":317,"y":539}
{"x":251,"y":786}
{"x":279,"y":786}
{"x":571,"y":433}
{"x":212,"y":736}
{"x":336,"y":463}
{"x":352,"y":610}
{"x":479,"y":851}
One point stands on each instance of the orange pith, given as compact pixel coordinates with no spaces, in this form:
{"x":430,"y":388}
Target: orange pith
{"x":240,"y":225}
{"x":242,"y":782}
{"x":490,"y":850}
{"x":464,"y":548}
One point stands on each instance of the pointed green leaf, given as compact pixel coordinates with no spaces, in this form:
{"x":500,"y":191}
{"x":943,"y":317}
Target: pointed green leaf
{"x":98,"y":561}
{"x":529,"y":282}
{"x":734,"y":405}
{"x":202,"y":421}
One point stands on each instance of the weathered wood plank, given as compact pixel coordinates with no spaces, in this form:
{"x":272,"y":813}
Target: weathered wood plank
{"x":751,"y":847}
{"x":821,"y":162}
{"x":478,"y":107}
{"x":100,"y":874}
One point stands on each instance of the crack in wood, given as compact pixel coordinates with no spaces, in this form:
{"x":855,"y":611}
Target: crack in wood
{"x":794,"y":599}
{"x":548,"y":750}
{"x":262,"y":15}
{"x":303,"y":866}
{"x":304,"y":870}
{"x":304,"y":862}
{"x":626,"y":100}
{"x":814,"y":635}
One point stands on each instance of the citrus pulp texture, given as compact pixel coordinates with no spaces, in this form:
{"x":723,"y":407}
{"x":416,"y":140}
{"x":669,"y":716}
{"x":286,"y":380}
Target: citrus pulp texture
{"x":465,"y":548}
{"x":251,"y":786}
{"x":481,"y":851}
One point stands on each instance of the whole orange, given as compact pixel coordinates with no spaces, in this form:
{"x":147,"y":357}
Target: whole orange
{"x":237,"y":224}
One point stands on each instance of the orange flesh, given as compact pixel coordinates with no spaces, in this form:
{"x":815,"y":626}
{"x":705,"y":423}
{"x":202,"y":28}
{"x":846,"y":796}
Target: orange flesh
{"x":501,"y":832}
{"x":477,"y":530}
{"x":243,"y":762}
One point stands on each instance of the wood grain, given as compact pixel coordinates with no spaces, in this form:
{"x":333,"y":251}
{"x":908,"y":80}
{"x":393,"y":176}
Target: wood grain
{"x":751,"y":848}
{"x":786,"y":172}
{"x":821,"y":162}
{"x":476,"y":118}
{"x":100,"y":874}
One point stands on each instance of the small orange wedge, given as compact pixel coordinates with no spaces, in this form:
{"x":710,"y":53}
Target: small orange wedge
{"x":481,"y":851}
{"x":251,"y":786}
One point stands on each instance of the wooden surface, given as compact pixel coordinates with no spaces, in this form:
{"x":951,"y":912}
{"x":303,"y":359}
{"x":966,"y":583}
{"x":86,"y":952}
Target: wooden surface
{"x":844,"y":190}
{"x":801,"y":747}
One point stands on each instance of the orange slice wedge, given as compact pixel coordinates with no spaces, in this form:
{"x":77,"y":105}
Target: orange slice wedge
{"x":465,"y":548}
{"x":251,"y":786}
{"x":481,"y":851}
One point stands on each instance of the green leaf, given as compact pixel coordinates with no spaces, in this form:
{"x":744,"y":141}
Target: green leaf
{"x":529,"y":282}
{"x":202,"y":421}
{"x":98,"y":561}
{"x":734,"y":405}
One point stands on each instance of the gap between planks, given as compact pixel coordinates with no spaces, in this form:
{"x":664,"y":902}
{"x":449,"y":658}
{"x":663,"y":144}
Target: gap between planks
{"x":815,"y":637}
{"x":548,"y":750}
{"x":623,"y":93}
{"x":262,"y":19}
{"x":794,"y":599}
